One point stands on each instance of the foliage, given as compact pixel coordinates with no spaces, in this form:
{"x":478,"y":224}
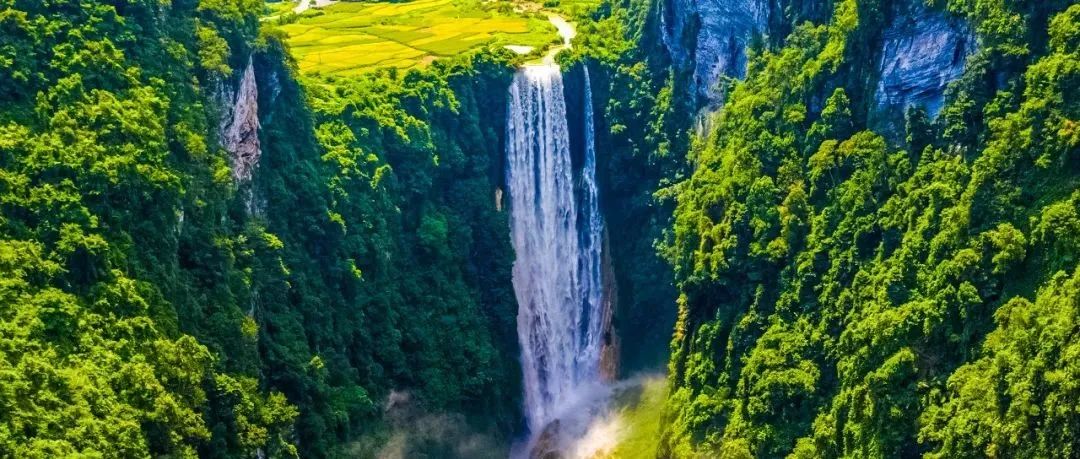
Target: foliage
{"x":394,"y":265}
{"x":102,"y":146}
{"x":845,"y":295}
{"x":842,"y":290}
{"x":152,"y":306}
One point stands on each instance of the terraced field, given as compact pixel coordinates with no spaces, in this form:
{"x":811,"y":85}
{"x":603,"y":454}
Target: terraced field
{"x":349,"y":38}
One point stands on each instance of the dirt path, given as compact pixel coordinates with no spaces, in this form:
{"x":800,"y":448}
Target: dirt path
{"x":305,"y":4}
{"x":566,"y":31}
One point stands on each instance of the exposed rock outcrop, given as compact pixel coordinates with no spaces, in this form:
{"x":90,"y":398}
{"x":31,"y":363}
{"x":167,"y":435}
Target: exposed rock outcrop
{"x":721,"y":31}
{"x":609,"y":347}
{"x":547,"y":443}
{"x":923,"y":51}
{"x":239,"y":128}
{"x":677,"y":31}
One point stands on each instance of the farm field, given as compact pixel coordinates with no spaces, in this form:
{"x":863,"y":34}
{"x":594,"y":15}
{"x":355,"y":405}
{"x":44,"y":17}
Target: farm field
{"x":349,"y":38}
{"x":275,"y":9}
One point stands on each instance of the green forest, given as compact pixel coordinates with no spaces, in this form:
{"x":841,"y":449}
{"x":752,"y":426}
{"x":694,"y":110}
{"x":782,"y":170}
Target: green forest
{"x":209,"y":250}
{"x":845,"y":292}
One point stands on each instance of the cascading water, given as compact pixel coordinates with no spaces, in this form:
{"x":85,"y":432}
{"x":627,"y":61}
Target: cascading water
{"x":557,"y":240}
{"x":592,"y":231}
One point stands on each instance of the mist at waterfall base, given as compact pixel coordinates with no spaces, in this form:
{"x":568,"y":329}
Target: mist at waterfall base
{"x":556,"y":230}
{"x":594,"y":424}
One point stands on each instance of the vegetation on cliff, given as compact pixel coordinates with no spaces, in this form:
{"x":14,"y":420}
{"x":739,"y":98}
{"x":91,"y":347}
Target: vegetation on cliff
{"x":393,"y":268}
{"x":152,"y":304}
{"x":847,"y":292}
{"x":105,"y":166}
{"x":840,"y":287}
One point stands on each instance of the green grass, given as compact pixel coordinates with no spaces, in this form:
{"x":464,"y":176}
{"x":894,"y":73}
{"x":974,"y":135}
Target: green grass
{"x":279,"y":7}
{"x":572,"y":10}
{"x":350,"y":38}
{"x":639,"y":415}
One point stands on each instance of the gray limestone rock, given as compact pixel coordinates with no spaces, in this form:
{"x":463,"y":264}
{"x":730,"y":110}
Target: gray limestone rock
{"x":717,"y":48}
{"x":923,"y":51}
{"x":239,"y":128}
{"x":726,"y":29}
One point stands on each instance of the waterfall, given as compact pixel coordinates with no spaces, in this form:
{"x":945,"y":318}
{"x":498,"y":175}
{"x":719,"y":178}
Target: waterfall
{"x":592,"y":231}
{"x":556,"y":234}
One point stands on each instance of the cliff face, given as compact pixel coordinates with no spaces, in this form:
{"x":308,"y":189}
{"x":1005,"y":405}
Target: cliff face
{"x":819,"y":247}
{"x":923,"y":49}
{"x":726,"y":29}
{"x":609,"y":348}
{"x":712,"y":36}
{"x":239,"y":128}
{"x":922,"y":52}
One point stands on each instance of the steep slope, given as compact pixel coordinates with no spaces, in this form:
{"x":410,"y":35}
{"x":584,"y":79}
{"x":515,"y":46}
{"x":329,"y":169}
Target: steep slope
{"x":861,"y":218}
{"x":108,"y":161}
{"x":712,"y":38}
{"x":203,"y":256}
{"x":392,"y":273}
{"x":845,"y":284}
{"x":923,"y":51}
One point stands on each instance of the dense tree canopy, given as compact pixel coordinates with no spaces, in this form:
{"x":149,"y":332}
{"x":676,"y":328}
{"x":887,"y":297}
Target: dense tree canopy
{"x":848,"y":293}
{"x":151,"y":304}
{"x":102,"y":140}
{"x":840,"y":286}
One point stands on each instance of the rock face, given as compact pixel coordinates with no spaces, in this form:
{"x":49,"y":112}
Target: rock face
{"x":923,"y":51}
{"x":239,"y":127}
{"x":676,"y":17}
{"x":609,"y":346}
{"x":547,"y":443}
{"x":712,"y":36}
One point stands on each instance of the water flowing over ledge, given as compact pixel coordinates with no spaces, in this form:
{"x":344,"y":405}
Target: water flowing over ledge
{"x":556,"y":230}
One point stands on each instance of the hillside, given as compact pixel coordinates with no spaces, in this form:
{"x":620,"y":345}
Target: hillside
{"x":577,"y":229}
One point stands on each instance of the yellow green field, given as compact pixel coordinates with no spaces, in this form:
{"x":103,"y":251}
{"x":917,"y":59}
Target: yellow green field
{"x":349,"y":38}
{"x":275,"y":9}
{"x":639,"y":417}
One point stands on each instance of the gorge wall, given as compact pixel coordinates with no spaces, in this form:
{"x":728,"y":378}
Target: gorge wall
{"x":239,"y":125}
{"x":921,"y":50}
{"x":312,"y":266}
{"x":834,"y":252}
{"x":711,"y":37}
{"x":395,"y":265}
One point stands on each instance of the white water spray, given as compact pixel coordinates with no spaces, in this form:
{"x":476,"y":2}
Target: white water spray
{"x":556,"y":235}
